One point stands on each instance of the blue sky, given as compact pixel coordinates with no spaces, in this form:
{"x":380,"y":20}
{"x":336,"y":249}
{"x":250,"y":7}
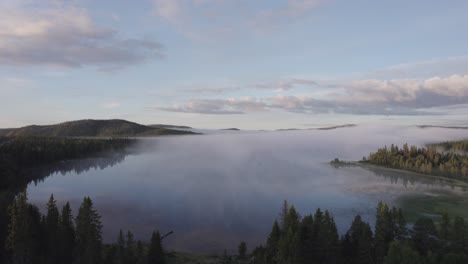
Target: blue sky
{"x":234,"y":63}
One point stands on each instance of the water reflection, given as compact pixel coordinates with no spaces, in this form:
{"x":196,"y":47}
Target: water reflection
{"x":74,"y":166}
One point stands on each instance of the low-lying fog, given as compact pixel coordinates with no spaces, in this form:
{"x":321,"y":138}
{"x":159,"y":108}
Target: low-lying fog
{"x":215,"y":190}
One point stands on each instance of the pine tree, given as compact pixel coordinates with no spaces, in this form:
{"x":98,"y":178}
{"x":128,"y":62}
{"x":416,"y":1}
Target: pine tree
{"x":140,"y":253}
{"x":88,"y":234}
{"x":120,"y":256}
{"x":67,"y":235}
{"x":305,"y":241}
{"x":424,"y":236}
{"x":130,"y":249}
{"x":383,"y":231}
{"x":288,"y":241}
{"x":400,"y":253}
{"x":155,"y":251}
{"x":24,"y":239}
{"x":52,"y":231}
{"x":330,"y":243}
{"x":242,"y":252}
{"x":110,"y":254}
{"x":272,"y":243}
{"x":283,"y":215}
{"x":359,"y":242}
{"x":398,"y":225}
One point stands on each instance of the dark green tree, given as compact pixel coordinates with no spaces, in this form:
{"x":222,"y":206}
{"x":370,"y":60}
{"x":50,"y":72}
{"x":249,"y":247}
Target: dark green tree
{"x":120,"y":254}
{"x":305,"y":236}
{"x":52,"y":232}
{"x":272,"y":244}
{"x":24,"y":239}
{"x":66,"y":235}
{"x":242,"y":252}
{"x":455,"y":258}
{"x":140,"y":253}
{"x":358,"y":246}
{"x":155,"y":250}
{"x":383,"y":231}
{"x":424,"y":236}
{"x":88,"y":234}
{"x":401,"y":253}
{"x":287,"y":244}
{"x":130,"y":249}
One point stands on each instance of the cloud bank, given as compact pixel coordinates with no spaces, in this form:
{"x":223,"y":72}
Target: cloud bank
{"x":66,"y":36}
{"x":366,"y":97}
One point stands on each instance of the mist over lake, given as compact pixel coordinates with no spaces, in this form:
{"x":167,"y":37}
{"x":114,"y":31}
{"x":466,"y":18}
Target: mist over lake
{"x":218,"y":189}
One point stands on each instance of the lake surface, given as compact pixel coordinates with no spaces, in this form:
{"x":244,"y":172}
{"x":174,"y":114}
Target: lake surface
{"x":216,"y":190}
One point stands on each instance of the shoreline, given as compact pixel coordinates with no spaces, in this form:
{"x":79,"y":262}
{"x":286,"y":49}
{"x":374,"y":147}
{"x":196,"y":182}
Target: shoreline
{"x":370,"y":165}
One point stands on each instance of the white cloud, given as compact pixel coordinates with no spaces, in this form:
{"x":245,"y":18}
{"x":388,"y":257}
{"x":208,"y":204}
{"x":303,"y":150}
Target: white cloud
{"x":423,"y":69}
{"x":217,"y":106}
{"x":64,"y":35}
{"x":372,"y":96}
{"x":283,"y":85}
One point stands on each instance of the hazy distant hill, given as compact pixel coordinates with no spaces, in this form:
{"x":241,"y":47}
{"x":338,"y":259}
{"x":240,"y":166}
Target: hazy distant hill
{"x":336,"y":127}
{"x":169,"y":126}
{"x":449,"y":127}
{"x":92,"y":128}
{"x":319,"y":128}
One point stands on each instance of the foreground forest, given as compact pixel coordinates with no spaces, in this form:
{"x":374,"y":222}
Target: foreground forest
{"x":27,"y":159}
{"x":447,"y":159}
{"x":59,"y":237}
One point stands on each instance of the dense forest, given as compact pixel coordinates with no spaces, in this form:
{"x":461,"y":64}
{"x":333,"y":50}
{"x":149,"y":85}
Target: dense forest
{"x":59,"y":237}
{"x":426,"y":160}
{"x":26,"y":159}
{"x":314,"y":239}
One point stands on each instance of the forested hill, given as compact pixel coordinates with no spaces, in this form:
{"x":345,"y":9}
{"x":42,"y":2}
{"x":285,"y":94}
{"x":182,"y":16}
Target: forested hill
{"x":92,"y":128}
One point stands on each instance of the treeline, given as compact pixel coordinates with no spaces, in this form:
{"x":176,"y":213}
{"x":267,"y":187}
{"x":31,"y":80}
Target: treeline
{"x":423,"y":160}
{"x":456,"y":146}
{"x":16,"y":154}
{"x":57,"y":237}
{"x":314,"y":239}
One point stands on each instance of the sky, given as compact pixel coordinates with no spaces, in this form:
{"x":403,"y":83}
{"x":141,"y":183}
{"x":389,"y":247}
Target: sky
{"x":263,"y":64}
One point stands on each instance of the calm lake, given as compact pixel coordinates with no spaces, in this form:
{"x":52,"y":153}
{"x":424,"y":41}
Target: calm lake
{"x":216,"y":190}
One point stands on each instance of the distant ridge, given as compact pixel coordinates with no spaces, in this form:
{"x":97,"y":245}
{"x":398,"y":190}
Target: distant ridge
{"x":169,"y":126}
{"x":449,"y":127}
{"x":335,"y":127}
{"x":290,"y":129}
{"x":92,"y":128}
{"x":320,"y":128}
{"x":232,"y":128}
